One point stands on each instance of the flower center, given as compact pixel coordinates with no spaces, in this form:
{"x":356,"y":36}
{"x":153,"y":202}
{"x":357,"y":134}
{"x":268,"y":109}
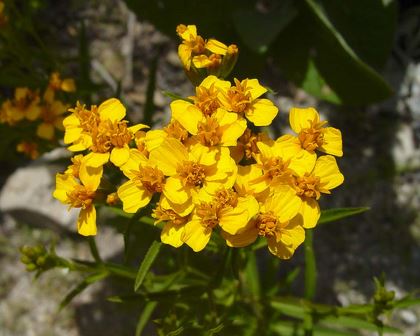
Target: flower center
{"x":266,"y":224}
{"x":192,"y":173}
{"x":276,"y":168}
{"x":208,"y":212}
{"x":110,"y":134}
{"x":152,"y":179}
{"x":168,"y":215}
{"x":226,"y":198}
{"x":308,"y":186}
{"x":175,"y":130}
{"x":206,"y":99}
{"x":89,"y":119}
{"x":239,"y":97}
{"x":313,"y":137}
{"x":209,"y":132}
{"x":80,"y":197}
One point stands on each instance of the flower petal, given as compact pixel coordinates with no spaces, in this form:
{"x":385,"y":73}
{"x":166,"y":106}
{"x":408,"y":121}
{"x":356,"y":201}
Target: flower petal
{"x":326,"y":169}
{"x":332,"y":142}
{"x":187,"y":114}
{"x":301,"y":118}
{"x":310,"y":212}
{"x":196,"y":235}
{"x":168,"y":156}
{"x":111,"y":109}
{"x":133,"y":197}
{"x":86,"y":223}
{"x":262,"y":112}
{"x":171,"y":234}
{"x":119,"y":156}
{"x":45,"y":131}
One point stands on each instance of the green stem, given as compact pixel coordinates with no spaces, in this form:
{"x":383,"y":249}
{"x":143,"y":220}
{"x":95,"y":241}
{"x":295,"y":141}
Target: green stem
{"x":310,"y":267}
{"x":94,"y":250}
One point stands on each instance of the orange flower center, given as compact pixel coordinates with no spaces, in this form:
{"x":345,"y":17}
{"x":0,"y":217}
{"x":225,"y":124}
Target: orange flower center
{"x":89,"y":119}
{"x":276,"y":168}
{"x":110,"y":134}
{"x":152,"y":179}
{"x":309,"y":186}
{"x":239,"y":97}
{"x":209,"y":132}
{"x":226,"y":198}
{"x":192,"y":173}
{"x":80,"y":197}
{"x":313,"y":137}
{"x":208,"y":212}
{"x":175,"y":130}
{"x":266,"y":224}
{"x":206,"y":99}
{"x":168,"y":215}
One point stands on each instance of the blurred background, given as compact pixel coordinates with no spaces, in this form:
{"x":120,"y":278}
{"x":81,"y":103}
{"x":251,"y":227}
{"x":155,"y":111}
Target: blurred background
{"x":357,"y":62}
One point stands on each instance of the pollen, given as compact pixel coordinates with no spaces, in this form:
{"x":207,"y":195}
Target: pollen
{"x":80,"y":197}
{"x":312,"y":137}
{"x":152,"y":179}
{"x":209,"y":132}
{"x":192,"y":173}
{"x":206,"y":99}
{"x":266,"y":224}
{"x":110,"y":134}
{"x":276,"y":168}
{"x":89,"y":119}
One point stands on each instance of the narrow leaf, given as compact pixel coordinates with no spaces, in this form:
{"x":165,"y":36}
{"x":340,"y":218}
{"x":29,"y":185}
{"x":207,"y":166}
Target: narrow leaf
{"x":310,"y":267}
{"x":145,"y":316}
{"x":332,"y":215}
{"x":146,"y":264}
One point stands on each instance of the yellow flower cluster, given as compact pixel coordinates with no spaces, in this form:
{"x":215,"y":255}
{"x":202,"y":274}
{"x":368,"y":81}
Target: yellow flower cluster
{"x":202,"y":57}
{"x":46,"y":111}
{"x":206,"y":170}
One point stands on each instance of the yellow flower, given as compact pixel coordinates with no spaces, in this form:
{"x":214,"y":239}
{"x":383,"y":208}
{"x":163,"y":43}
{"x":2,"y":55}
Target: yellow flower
{"x":80,"y":195}
{"x":28,"y":148}
{"x":145,"y":179}
{"x":194,"y":45}
{"x":309,"y":186}
{"x":174,"y":226}
{"x":102,"y":131}
{"x":52,"y":117}
{"x":242,"y":98}
{"x":247,"y":145}
{"x":312,"y":133}
{"x":278,"y":165}
{"x":56,"y":83}
{"x":244,"y":184}
{"x":74,"y":168}
{"x":112,"y":198}
{"x":224,"y":209}
{"x":191,"y":170}
{"x":276,"y":222}
{"x":24,"y":105}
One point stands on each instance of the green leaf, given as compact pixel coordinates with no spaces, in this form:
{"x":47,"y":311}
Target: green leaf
{"x":332,"y":215}
{"x":269,"y":24}
{"x":145,"y":316}
{"x":252,"y":276}
{"x":284,"y":328}
{"x":175,"y":96}
{"x":358,"y":323}
{"x":82,"y":286}
{"x":147,"y":262}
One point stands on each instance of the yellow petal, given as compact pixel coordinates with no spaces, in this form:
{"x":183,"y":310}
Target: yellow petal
{"x":68,"y":85}
{"x":90,"y":176}
{"x":327,"y":170}
{"x":96,"y":159}
{"x":187,"y":114}
{"x":233,"y":220}
{"x":303,"y":162}
{"x":45,"y":131}
{"x":133,"y":196}
{"x":262,"y":112}
{"x":33,"y":112}
{"x":255,"y":88}
{"x":175,"y":191}
{"x":212,"y":80}
{"x":232,"y":132}
{"x":135,"y":128}
{"x":196,"y":235}
{"x":181,"y":209}
{"x":171,"y":234}
{"x":216,"y":47}
{"x":64,"y":184}
{"x":285,"y":204}
{"x":84,"y":142}
{"x":71,"y":120}
{"x":111,"y":109}
{"x":86,"y":223}
{"x":310,"y":212}
{"x":332,"y":142}
{"x":134,"y":163}
{"x":202,"y":154}
{"x":301,"y":118}
{"x":168,"y":156}
{"x":202,"y":61}
{"x":184,"y":53}
{"x":72,"y":134}
{"x":154,"y":139}
{"x":243,"y":238}
{"x":119,"y":156}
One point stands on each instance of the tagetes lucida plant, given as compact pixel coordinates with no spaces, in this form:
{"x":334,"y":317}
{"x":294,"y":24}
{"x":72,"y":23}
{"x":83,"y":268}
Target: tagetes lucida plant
{"x":206,"y":172}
